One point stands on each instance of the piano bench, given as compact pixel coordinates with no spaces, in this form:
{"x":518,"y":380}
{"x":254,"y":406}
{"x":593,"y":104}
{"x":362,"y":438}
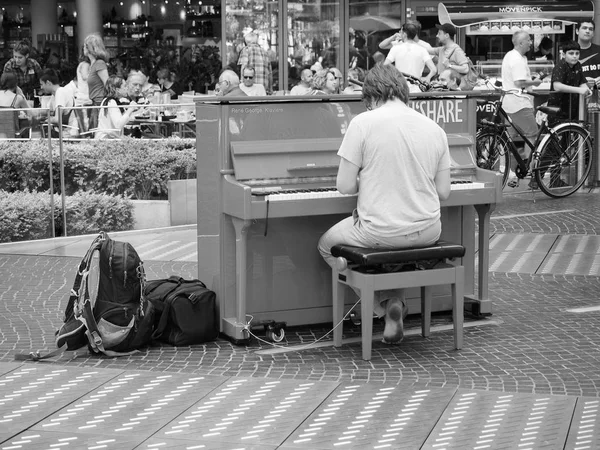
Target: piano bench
{"x":373,"y":269}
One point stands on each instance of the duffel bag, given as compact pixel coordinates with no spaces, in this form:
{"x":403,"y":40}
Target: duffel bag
{"x":187,"y":311}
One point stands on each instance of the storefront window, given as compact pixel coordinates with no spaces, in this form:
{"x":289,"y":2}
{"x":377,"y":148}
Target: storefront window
{"x":313,"y":37}
{"x":260,"y":17}
{"x":370,"y":23}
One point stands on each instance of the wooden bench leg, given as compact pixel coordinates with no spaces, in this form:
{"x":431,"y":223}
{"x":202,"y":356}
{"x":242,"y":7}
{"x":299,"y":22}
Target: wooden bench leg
{"x":367,"y":296}
{"x":458,"y":312}
{"x":425,"y":311}
{"x":338,"y":308}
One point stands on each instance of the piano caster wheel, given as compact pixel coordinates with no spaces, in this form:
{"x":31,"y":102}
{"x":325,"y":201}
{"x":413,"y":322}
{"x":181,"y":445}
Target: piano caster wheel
{"x":274,"y":337}
{"x":355,"y":319}
{"x":274,"y":331}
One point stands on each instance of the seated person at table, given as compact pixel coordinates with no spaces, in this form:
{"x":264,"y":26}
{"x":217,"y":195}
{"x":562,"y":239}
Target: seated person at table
{"x":323,"y":83}
{"x":146,"y":88}
{"x":229,"y":85}
{"x":113,"y":116}
{"x":450,"y":78}
{"x":356,"y":77}
{"x":135,"y":83}
{"x":9,"y":98}
{"x":63,"y":97}
{"x":251,"y":88}
{"x":168,"y":83}
{"x":303,"y":87}
{"x":399,"y":177}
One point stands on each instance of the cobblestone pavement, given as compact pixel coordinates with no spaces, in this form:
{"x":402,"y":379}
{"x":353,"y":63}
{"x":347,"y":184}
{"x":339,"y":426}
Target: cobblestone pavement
{"x":537,"y":340}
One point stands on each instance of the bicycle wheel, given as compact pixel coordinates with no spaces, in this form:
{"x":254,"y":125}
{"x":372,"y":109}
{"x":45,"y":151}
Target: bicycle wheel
{"x":492,"y":153}
{"x":565,"y":160}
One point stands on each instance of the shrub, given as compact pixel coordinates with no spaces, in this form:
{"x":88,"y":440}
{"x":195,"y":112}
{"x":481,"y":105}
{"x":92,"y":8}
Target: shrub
{"x":26,"y":215}
{"x":136,"y":168}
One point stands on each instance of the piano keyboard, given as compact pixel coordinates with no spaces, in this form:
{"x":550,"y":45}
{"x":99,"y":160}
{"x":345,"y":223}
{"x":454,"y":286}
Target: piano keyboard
{"x":277,"y":194}
{"x":461,"y":185}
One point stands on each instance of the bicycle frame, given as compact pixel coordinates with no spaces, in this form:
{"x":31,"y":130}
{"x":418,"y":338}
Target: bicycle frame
{"x":500,"y":113}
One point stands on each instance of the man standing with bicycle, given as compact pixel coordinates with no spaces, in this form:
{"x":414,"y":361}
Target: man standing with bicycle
{"x":516,"y":75}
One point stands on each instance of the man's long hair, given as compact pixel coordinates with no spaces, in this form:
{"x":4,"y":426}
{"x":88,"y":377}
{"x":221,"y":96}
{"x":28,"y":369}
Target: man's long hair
{"x":384,"y":83}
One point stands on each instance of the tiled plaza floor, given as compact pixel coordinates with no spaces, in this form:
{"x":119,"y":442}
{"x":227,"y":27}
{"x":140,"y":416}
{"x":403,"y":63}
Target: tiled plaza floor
{"x":539,"y":353}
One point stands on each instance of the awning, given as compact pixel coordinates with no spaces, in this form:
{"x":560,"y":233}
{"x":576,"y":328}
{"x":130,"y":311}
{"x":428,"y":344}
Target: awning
{"x":506,"y":18}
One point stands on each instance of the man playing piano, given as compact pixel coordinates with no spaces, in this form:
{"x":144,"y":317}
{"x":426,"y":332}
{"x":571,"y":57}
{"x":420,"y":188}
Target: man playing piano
{"x":398,"y":162}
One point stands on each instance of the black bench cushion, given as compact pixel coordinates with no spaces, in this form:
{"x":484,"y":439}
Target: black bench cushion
{"x":376,"y":256}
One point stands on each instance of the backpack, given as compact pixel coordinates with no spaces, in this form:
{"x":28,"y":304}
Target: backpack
{"x":187,"y":308}
{"x":469,"y":80}
{"x":114,"y":320}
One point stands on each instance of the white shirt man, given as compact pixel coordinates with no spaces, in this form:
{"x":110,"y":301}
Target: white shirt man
{"x":411,"y":58}
{"x":303,"y":87}
{"x":516,"y":75}
{"x":63,"y":97}
{"x":248,"y":85}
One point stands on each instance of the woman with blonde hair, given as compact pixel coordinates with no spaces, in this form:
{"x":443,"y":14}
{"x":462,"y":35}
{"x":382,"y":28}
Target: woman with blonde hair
{"x":93,"y":48}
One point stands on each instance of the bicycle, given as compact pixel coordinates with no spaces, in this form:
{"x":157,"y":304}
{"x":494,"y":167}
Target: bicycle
{"x":561,"y":158}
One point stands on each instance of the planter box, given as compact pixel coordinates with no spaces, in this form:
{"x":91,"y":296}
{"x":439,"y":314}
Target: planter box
{"x":183,"y":202}
{"x":151,"y":214}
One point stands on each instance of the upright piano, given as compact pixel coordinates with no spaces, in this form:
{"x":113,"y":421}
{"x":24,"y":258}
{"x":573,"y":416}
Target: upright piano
{"x":274,"y":195}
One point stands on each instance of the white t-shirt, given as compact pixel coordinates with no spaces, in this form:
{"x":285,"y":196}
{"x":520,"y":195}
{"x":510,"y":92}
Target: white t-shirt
{"x":409,"y":57}
{"x":397,"y":194}
{"x":300,"y":90}
{"x":255,"y":90}
{"x":65,"y":97}
{"x":514,"y":68}
{"x":111,"y":121}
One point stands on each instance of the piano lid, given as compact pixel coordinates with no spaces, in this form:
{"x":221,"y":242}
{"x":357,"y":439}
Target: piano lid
{"x":285,"y":158}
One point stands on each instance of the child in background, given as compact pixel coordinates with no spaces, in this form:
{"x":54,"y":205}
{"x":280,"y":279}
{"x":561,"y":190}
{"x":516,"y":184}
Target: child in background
{"x":568,"y":79}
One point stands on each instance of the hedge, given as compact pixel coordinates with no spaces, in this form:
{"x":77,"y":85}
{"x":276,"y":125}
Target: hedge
{"x":137,"y":168}
{"x":26,"y":215}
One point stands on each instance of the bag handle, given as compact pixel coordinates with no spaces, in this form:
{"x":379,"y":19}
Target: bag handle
{"x":165,"y":306}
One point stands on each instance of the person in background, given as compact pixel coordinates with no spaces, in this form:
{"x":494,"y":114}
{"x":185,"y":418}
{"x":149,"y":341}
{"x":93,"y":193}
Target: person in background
{"x":26,"y":69}
{"x":544,"y":52}
{"x":450,"y":79}
{"x":399,"y":177}
{"x":394,"y":39}
{"x":519,"y":106}
{"x":411,"y":58}
{"x":83,"y":92}
{"x":229,"y":85}
{"x":63,"y":97}
{"x":356,"y":77}
{"x":254,"y":55}
{"x":113,"y":116}
{"x":83,"y":71}
{"x":338,"y":79}
{"x":134,"y":86}
{"x":303,"y":87}
{"x":248,"y":85}
{"x":10,"y":98}
{"x":168,"y":83}
{"x":323,"y":83}
{"x":589,"y":55}
{"x":568,"y":79}
{"x":93,"y":48}
{"x":147,"y":88}
{"x":449,"y":54}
